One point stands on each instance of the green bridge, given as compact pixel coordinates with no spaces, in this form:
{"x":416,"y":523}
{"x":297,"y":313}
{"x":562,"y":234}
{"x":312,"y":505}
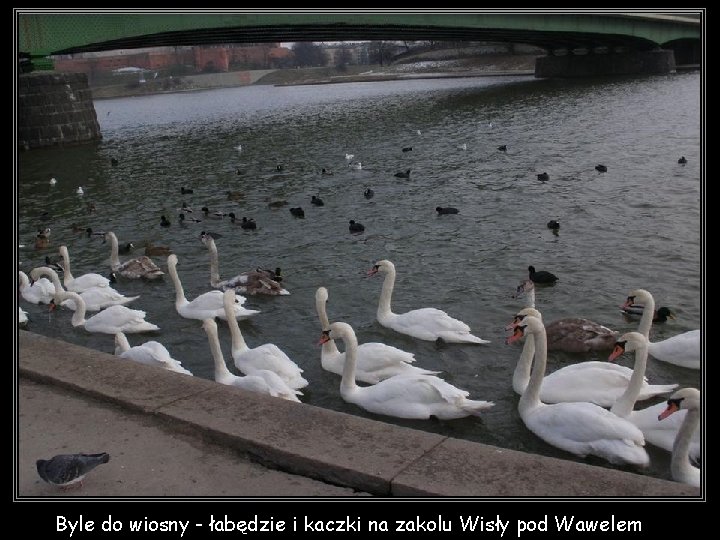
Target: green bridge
{"x":63,"y":32}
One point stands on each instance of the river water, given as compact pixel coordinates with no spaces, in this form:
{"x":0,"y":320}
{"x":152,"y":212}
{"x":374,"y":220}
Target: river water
{"x":636,"y":225}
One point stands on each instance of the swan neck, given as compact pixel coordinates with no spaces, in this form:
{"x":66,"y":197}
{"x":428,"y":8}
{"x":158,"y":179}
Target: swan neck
{"x":67,"y":277}
{"x":329,"y":347}
{"x":221,"y":369}
{"x":24,"y":280}
{"x":625,"y":403}
{"x":530,"y":301}
{"x":52,"y":274}
{"x":348,"y":377}
{"x":122,"y":343}
{"x":238,"y":341}
{"x":179,"y":292}
{"x":647,"y":317}
{"x":384,"y":308}
{"x":521,"y":375}
{"x":680,"y":461}
{"x":214,"y":271}
{"x":531,"y":396}
{"x":78,"y":318}
{"x":114,"y":258}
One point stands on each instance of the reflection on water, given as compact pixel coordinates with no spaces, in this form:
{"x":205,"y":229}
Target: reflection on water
{"x":636,"y":225}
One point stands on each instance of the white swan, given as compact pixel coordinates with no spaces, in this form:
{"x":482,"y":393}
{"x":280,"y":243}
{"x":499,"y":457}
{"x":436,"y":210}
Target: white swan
{"x":681,"y":350}
{"x":252,"y":383}
{"x":601,"y":383}
{"x":95,"y":298}
{"x":205,"y":306}
{"x":426,"y":323}
{"x":571,"y":334}
{"x":375,"y":361}
{"x":150,"y":353}
{"x":138,"y":267}
{"x":686,"y":399}
{"x":402,"y":396}
{"x":252,"y":282}
{"x":263,"y":357}
{"x":40,"y":292}
{"x":660,"y":434}
{"x":80,"y":283}
{"x":581,"y":428}
{"x":109,"y":321}
{"x":22,"y":316}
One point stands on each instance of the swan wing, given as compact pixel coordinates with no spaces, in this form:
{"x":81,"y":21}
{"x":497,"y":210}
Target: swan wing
{"x":375,"y":355}
{"x":86,"y":281}
{"x":119,"y":319}
{"x":140,"y":267}
{"x":579,"y":335}
{"x":661,"y":433}
{"x":683,"y":349}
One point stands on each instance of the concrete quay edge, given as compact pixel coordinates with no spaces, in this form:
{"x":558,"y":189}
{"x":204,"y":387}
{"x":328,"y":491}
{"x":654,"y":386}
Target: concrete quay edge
{"x":338,"y":448}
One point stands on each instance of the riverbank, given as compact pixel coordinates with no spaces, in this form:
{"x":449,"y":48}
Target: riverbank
{"x":484,"y":66}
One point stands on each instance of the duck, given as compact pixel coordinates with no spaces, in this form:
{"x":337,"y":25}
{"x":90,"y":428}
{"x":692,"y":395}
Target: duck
{"x":446,"y":210}
{"x":252,"y":282}
{"x":401,"y":396}
{"x":463,"y":146}
{"x":681,"y":350}
{"x":164,"y":222}
{"x":80,"y":283}
{"x":368,"y":193}
{"x":502,"y":148}
{"x":80,"y":190}
{"x":356,"y":227}
{"x":581,"y":428}
{"x":214,"y":215}
{"x":150,"y":353}
{"x":186,"y":191}
{"x":53,"y":181}
{"x":348,"y":157}
{"x":54,"y":264}
{"x":111,"y":320}
{"x":183,"y":218}
{"x":136,"y":268}
{"x":126,"y":248}
{"x":157,"y":251}
{"x":114,"y":162}
{"x":597,"y":382}
{"x":185,"y":208}
{"x":543,"y":177}
{"x":356,"y":166}
{"x":401,"y":174}
{"x":661,"y":314}
{"x":317,"y":201}
{"x":429,"y":324}
{"x":207,"y":305}
{"x":542,"y":276}
{"x":682,"y":160}
{"x":263,"y":357}
{"x":42,"y":239}
{"x":326,"y":172}
{"x":686,"y":399}
{"x":571,"y":334}
{"x":253,"y":383}
{"x":601,"y":168}
{"x":660,"y":434}
{"x":248,"y":224}
{"x":553,"y":224}
{"x":407,"y":149}
{"x":95,"y":298}
{"x":41,"y":291}
{"x":297,"y":212}
{"x":375,"y":361}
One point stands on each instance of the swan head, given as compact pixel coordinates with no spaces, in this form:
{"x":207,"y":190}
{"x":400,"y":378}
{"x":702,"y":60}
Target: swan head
{"x":383,"y":266}
{"x":63,"y":251}
{"x":520,"y":316}
{"x":172,"y":260}
{"x":628,"y":342}
{"x":321,"y":295}
{"x":337,"y":330}
{"x":529,"y":325}
{"x":685,"y":398}
{"x":638,"y":296}
{"x":524,"y":288}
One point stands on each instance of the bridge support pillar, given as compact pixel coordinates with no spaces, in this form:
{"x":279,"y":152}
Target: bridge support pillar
{"x":594,"y":65}
{"x":55,"y":109}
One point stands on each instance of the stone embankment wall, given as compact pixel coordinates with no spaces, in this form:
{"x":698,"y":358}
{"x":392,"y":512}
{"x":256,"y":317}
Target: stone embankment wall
{"x":55,"y":109}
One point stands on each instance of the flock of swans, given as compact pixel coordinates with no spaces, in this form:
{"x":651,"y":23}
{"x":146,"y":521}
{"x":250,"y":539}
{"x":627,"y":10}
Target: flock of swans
{"x":587,"y":408}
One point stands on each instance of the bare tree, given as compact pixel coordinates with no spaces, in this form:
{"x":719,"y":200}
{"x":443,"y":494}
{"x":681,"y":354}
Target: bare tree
{"x":308,"y":54}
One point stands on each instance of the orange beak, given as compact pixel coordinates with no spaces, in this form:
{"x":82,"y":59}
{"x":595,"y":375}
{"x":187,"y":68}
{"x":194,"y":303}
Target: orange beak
{"x":671,"y":408}
{"x":617,"y":351}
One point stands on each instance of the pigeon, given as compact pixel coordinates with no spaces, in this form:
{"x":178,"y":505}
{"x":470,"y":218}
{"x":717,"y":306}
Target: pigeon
{"x":65,"y":470}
